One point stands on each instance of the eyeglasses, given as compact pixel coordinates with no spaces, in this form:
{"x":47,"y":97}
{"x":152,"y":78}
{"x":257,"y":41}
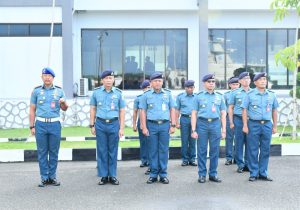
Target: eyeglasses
{"x":211,"y":81}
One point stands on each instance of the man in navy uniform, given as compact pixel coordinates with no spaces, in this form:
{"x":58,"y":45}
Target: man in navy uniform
{"x":209,"y":114}
{"x":233,"y":84}
{"x":108,"y":110}
{"x":44,"y":118}
{"x":235,"y":117}
{"x":260,"y":106}
{"x":157,"y":110}
{"x":184,"y":103}
{"x":144,"y":154}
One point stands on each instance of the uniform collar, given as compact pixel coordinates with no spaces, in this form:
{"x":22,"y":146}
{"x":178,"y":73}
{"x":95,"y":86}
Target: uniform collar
{"x":260,"y":93}
{"x":242,"y":89}
{"x":52,"y":87}
{"x":161,"y":90}
{"x":206,"y":92}
{"x":112,"y":89}
{"x":185,"y":94}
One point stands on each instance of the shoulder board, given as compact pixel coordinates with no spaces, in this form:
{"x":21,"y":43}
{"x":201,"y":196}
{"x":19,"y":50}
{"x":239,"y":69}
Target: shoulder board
{"x":227,"y":92}
{"x":272,"y":91}
{"x":97,"y":88}
{"x":57,"y":86}
{"x":38,"y":86}
{"x":218,"y":93}
{"x":146,"y":91}
{"x":118,"y":89}
{"x":200,"y":92}
{"x":235,"y":90}
{"x":139,"y":95}
{"x":250,"y":91}
{"x":180,"y":94}
{"x":167,"y":89}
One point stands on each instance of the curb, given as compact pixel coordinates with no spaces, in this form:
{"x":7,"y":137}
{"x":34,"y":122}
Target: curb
{"x":68,"y":154}
{"x":83,"y":138}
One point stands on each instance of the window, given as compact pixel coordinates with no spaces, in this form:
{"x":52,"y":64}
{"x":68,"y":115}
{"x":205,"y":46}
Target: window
{"x":21,"y":30}
{"x":249,"y":50}
{"x":277,"y":74}
{"x":134,"y":54}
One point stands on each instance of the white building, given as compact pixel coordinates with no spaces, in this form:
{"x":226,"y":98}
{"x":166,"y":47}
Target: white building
{"x":95,"y":35}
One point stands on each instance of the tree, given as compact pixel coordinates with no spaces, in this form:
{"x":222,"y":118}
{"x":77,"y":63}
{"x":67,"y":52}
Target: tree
{"x":288,"y":57}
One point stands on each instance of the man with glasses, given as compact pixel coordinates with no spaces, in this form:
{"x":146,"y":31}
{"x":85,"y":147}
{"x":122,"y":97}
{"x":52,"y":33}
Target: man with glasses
{"x":107,"y":108}
{"x":157,"y":111}
{"x":233,"y":84}
{"x":208,"y":116}
{"x":184,"y":103}
{"x":235,"y":117}
{"x":260,"y":106}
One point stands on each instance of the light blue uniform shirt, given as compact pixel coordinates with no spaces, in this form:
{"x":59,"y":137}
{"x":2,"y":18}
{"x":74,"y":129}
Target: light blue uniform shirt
{"x":226,"y":99}
{"x":108,"y":103}
{"x":136,"y":102}
{"x":46,"y":101}
{"x":260,"y":105}
{"x":157,"y":105}
{"x":236,"y":99}
{"x":184,"y":103}
{"x":209,"y":105}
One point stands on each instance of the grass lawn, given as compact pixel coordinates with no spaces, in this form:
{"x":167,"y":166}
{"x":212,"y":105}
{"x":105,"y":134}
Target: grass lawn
{"x":123,"y":144}
{"x":84,"y":131}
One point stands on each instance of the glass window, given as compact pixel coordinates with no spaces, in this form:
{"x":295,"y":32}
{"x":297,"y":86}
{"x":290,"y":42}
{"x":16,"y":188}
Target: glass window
{"x":291,"y":41}
{"x":18,"y":30}
{"x":277,"y":40}
{"x":216,"y":58}
{"x":235,"y":52}
{"x":134,"y":55}
{"x":57,"y":29}
{"x":155,"y":50}
{"x":133,"y":59}
{"x":256,"y":52}
{"x":3,"y":29}
{"x":39,"y":29}
{"x":176,"y":52}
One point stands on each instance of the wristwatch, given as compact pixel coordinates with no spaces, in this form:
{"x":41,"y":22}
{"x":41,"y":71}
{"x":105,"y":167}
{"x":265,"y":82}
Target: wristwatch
{"x":91,"y":126}
{"x":173,"y":125}
{"x":31,"y":127}
{"x":193,"y":131}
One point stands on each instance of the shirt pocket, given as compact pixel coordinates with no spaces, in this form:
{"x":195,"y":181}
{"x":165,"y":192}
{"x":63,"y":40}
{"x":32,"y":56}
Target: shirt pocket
{"x":254,"y":104}
{"x":202,"y":103}
{"x":150,"y":103}
{"x":41,"y":99}
{"x":238,"y":100}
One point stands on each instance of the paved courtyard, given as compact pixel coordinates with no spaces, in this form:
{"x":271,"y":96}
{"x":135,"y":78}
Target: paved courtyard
{"x":79,"y":189}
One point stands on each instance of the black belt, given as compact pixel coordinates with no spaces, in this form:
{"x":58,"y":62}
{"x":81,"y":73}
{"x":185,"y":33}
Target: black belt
{"x":186,"y":115}
{"x":108,"y":120}
{"x":158,"y":121}
{"x":260,"y":121}
{"x":208,"y":119}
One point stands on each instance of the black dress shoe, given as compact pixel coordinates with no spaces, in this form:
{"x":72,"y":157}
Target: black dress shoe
{"x":43,"y":183}
{"x":53,"y":182}
{"x":234,"y":161}
{"x":265,"y":178}
{"x":202,"y":179}
{"x":151,"y":180}
{"x":214,"y":179}
{"x":193,"y":163}
{"x":164,"y":180}
{"x":228,"y":162}
{"x":246,"y":168}
{"x":148,"y":171}
{"x":184,"y":163}
{"x":103,"y":181}
{"x":240,"y":170}
{"x":114,"y":181}
{"x":252,"y":178}
{"x":145,"y":164}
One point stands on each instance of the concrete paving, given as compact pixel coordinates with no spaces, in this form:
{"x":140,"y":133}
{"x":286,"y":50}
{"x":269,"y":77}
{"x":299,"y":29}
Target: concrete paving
{"x":79,"y":189}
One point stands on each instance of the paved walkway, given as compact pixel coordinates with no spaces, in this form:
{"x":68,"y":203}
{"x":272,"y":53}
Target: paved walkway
{"x":79,"y":189}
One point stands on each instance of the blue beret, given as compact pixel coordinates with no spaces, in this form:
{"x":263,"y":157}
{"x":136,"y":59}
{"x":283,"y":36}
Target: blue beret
{"x":259,"y":75}
{"x":207,"y":77}
{"x":233,"y":80}
{"x":145,"y":84}
{"x":47,"y":70}
{"x":156,"y":75}
{"x":243,"y":74}
{"x":107,"y":73}
{"x":189,"y":83}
